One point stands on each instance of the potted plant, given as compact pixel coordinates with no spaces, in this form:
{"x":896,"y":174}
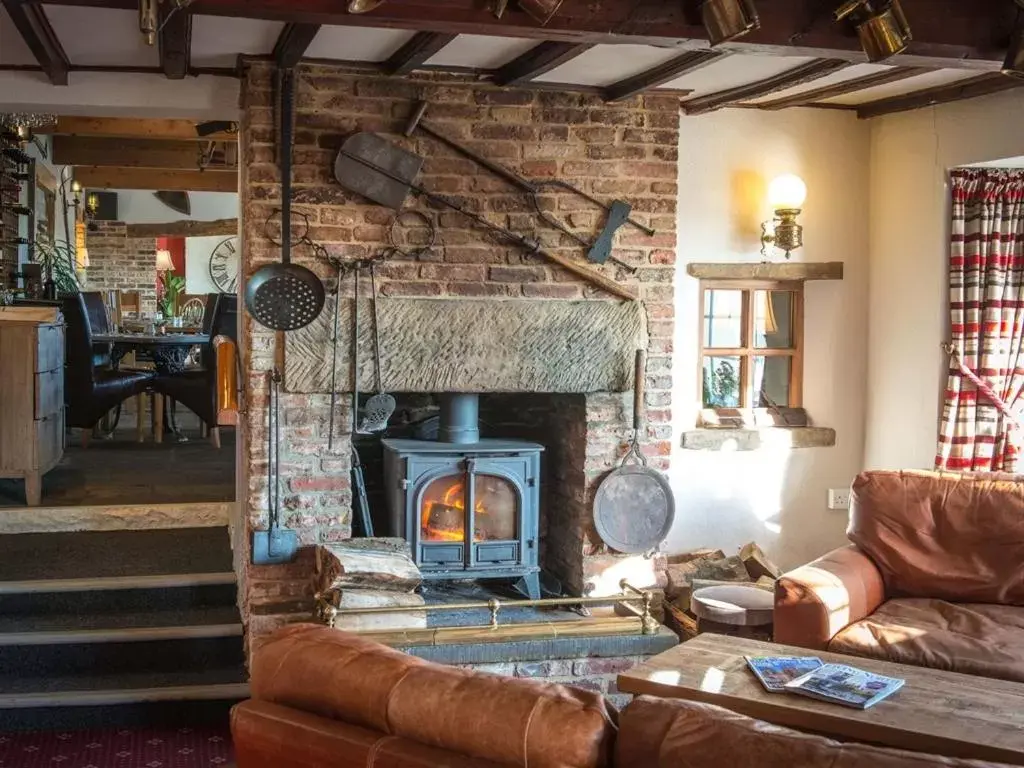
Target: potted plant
{"x":172,"y":287}
{"x":57,"y":260}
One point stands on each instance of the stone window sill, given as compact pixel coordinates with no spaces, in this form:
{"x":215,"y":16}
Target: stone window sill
{"x":780,"y":438}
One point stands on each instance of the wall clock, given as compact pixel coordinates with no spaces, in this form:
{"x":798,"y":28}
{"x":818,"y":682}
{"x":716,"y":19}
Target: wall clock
{"x":224,"y":265}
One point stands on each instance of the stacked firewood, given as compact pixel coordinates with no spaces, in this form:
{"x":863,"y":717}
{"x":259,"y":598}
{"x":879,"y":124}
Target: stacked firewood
{"x":368,"y":573}
{"x":709,"y":567}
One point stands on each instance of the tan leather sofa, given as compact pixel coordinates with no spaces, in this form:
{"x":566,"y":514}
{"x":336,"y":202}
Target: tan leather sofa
{"x":326,"y":699}
{"x":934,"y":576}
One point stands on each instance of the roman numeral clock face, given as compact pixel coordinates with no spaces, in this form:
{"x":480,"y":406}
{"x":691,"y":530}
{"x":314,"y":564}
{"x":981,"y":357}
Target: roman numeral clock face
{"x":224,"y":266}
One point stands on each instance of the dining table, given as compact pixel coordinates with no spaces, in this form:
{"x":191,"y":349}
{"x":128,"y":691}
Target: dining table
{"x":168,"y":350}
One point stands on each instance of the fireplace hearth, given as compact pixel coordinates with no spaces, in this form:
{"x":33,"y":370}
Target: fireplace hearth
{"x":469,"y":507}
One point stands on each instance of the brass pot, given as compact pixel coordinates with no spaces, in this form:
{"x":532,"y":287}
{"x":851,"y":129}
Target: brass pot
{"x":540,"y":10}
{"x":363,"y":6}
{"x":726,"y":20}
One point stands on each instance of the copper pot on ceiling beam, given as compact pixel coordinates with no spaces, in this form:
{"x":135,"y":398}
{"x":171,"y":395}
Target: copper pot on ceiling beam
{"x":363,"y":6}
{"x":883,"y":30}
{"x":726,"y":20}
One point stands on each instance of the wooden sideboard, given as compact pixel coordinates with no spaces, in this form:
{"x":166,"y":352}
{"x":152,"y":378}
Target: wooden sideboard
{"x":32,"y":394}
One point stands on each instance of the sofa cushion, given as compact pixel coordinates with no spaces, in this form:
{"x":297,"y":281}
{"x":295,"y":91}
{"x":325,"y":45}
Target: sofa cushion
{"x":517,"y":722}
{"x":667,"y":733}
{"x":957,"y":537}
{"x":976,"y":639}
{"x":271,"y":736}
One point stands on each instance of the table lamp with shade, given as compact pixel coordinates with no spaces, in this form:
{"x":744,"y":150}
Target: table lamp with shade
{"x":165,"y":268}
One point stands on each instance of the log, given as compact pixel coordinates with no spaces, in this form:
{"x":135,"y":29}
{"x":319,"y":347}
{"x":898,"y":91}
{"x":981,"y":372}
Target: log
{"x":681,"y":575}
{"x":380,"y":564}
{"x":680,"y":622}
{"x":696,"y":554}
{"x":757,"y":562}
{"x":376,"y":598}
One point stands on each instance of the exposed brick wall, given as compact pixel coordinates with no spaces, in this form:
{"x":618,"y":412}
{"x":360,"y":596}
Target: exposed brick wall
{"x":121,"y":263}
{"x":627,"y":150}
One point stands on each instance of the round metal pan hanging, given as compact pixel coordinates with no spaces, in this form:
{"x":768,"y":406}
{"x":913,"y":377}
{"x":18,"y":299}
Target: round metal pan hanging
{"x":634,"y":507}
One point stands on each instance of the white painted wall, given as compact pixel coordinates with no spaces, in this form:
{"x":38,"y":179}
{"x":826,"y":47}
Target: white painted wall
{"x":911,"y":154}
{"x":197,"y":263}
{"x":778,"y":498}
{"x":139,"y":206}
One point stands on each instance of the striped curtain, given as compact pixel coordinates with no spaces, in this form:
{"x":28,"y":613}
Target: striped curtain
{"x":986,"y":300}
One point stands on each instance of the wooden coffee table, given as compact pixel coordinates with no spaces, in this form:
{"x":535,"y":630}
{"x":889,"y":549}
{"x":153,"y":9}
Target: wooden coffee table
{"x":943,"y":713}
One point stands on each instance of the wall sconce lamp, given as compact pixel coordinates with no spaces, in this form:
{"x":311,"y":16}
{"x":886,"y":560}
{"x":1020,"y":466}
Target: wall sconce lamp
{"x":786,"y":195}
{"x":726,"y":20}
{"x":92,"y":205}
{"x":881,"y":26}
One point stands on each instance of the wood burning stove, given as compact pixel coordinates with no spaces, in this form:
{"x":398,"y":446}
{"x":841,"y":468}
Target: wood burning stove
{"x":470,"y":508}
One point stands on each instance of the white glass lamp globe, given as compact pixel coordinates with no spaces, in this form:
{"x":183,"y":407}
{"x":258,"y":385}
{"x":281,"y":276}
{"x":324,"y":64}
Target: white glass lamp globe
{"x":787,"y":192}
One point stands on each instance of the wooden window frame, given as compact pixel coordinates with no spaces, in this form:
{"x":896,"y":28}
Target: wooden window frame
{"x":747,"y":352}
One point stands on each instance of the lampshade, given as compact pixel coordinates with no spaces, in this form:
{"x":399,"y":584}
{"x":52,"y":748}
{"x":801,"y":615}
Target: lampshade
{"x":164,"y":262}
{"x":787,"y":192}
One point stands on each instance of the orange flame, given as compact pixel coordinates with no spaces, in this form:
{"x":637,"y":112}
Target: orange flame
{"x":454,"y":498}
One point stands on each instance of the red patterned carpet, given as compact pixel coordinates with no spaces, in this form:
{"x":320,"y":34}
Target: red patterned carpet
{"x":146,"y":748}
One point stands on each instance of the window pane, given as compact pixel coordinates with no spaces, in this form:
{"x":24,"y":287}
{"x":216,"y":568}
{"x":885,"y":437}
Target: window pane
{"x":723,"y":319}
{"x":721,"y":382}
{"x":771,"y":381}
{"x":497,"y":507}
{"x":773,"y":319}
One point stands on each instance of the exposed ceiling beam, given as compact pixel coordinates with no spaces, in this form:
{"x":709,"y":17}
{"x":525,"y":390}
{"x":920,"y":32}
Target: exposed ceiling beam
{"x":805,"y":73}
{"x":175,"y":41}
{"x":805,"y":98}
{"x":980,"y":85}
{"x":185,"y":228}
{"x":538,"y":60}
{"x":292,"y":43}
{"x":661,"y":74}
{"x":133,"y":128}
{"x":946,"y":32}
{"x":38,"y":34}
{"x":127,"y":153}
{"x":415,"y":53}
{"x":151,"y":178}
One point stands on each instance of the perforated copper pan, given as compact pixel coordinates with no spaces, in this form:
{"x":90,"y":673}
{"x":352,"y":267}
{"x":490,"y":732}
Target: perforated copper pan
{"x":634,"y":507}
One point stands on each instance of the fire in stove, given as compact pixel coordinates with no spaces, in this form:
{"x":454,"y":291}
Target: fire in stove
{"x":443,"y":516}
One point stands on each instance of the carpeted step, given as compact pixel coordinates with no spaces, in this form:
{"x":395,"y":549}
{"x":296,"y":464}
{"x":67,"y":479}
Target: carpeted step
{"x":38,"y":602}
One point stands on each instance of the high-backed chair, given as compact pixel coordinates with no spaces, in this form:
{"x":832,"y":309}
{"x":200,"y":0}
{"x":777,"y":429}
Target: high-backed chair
{"x":197,"y":389}
{"x":99,"y":322}
{"x":89,"y":392}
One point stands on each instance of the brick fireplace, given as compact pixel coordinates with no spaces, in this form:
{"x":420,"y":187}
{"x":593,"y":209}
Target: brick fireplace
{"x":626,"y":150}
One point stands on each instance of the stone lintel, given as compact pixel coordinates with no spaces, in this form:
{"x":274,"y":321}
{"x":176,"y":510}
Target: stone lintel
{"x":788,"y":270}
{"x":779,"y":438}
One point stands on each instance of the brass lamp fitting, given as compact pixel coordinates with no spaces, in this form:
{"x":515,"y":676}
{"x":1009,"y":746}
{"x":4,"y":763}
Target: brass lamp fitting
{"x":726,"y":20}
{"x":788,"y":235}
{"x":148,"y":20}
{"x":363,"y":6}
{"x":882,"y":27}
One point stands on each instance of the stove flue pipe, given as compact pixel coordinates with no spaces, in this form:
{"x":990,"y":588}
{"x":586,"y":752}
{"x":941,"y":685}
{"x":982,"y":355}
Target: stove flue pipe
{"x":460,"y":419}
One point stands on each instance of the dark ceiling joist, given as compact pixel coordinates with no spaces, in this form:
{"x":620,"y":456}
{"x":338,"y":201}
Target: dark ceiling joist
{"x":981,"y":85}
{"x":806,"y":98}
{"x":292,"y":43}
{"x":950,"y":33}
{"x":660,"y":75}
{"x":135,"y":153}
{"x":38,"y":34}
{"x":415,"y":53}
{"x":537,"y":61}
{"x":175,"y":42}
{"x":805,"y":73}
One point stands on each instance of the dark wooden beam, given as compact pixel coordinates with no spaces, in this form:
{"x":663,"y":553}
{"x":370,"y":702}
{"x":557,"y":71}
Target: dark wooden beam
{"x":156,"y":178}
{"x":185,"y":228}
{"x":538,"y":60}
{"x":661,"y":74}
{"x":806,"y":98}
{"x":805,"y":73}
{"x":415,"y":53}
{"x":127,"y":153}
{"x":292,"y":43}
{"x":174,"y":41}
{"x":946,"y":32}
{"x":38,"y":34}
{"x":980,"y":85}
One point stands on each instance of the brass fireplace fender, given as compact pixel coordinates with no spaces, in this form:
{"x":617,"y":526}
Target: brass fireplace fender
{"x":642,"y":621}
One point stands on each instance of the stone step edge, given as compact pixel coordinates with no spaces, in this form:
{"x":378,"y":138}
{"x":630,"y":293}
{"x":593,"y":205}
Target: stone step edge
{"x":119,"y":635}
{"x":124,"y":696}
{"x":103,"y":583}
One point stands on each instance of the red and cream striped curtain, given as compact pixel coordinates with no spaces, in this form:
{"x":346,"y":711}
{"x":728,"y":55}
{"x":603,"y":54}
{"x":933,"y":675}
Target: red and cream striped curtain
{"x":986,"y":300}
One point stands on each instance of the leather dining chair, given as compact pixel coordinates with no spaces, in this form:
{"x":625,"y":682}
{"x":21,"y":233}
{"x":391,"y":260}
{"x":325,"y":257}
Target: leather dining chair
{"x":99,"y":322}
{"x":197,"y":389}
{"x":90,"y":392}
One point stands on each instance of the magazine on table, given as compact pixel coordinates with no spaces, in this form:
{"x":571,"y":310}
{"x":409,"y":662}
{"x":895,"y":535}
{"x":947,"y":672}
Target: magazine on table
{"x":775,"y":671}
{"x":845,"y":685}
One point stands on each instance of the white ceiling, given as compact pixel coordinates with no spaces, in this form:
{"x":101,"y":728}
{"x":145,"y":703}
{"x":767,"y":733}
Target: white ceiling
{"x":110,"y":37}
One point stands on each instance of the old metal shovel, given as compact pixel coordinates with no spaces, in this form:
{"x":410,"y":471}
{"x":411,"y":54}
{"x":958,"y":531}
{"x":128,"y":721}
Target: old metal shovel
{"x":362,"y":175}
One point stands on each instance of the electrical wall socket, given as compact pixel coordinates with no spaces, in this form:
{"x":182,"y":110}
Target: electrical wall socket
{"x":839,"y":498}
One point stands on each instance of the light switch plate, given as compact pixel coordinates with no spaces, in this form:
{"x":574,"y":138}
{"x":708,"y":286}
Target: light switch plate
{"x":839,"y":498}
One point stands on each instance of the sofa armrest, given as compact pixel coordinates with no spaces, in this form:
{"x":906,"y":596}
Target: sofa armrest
{"x":814,"y":602}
